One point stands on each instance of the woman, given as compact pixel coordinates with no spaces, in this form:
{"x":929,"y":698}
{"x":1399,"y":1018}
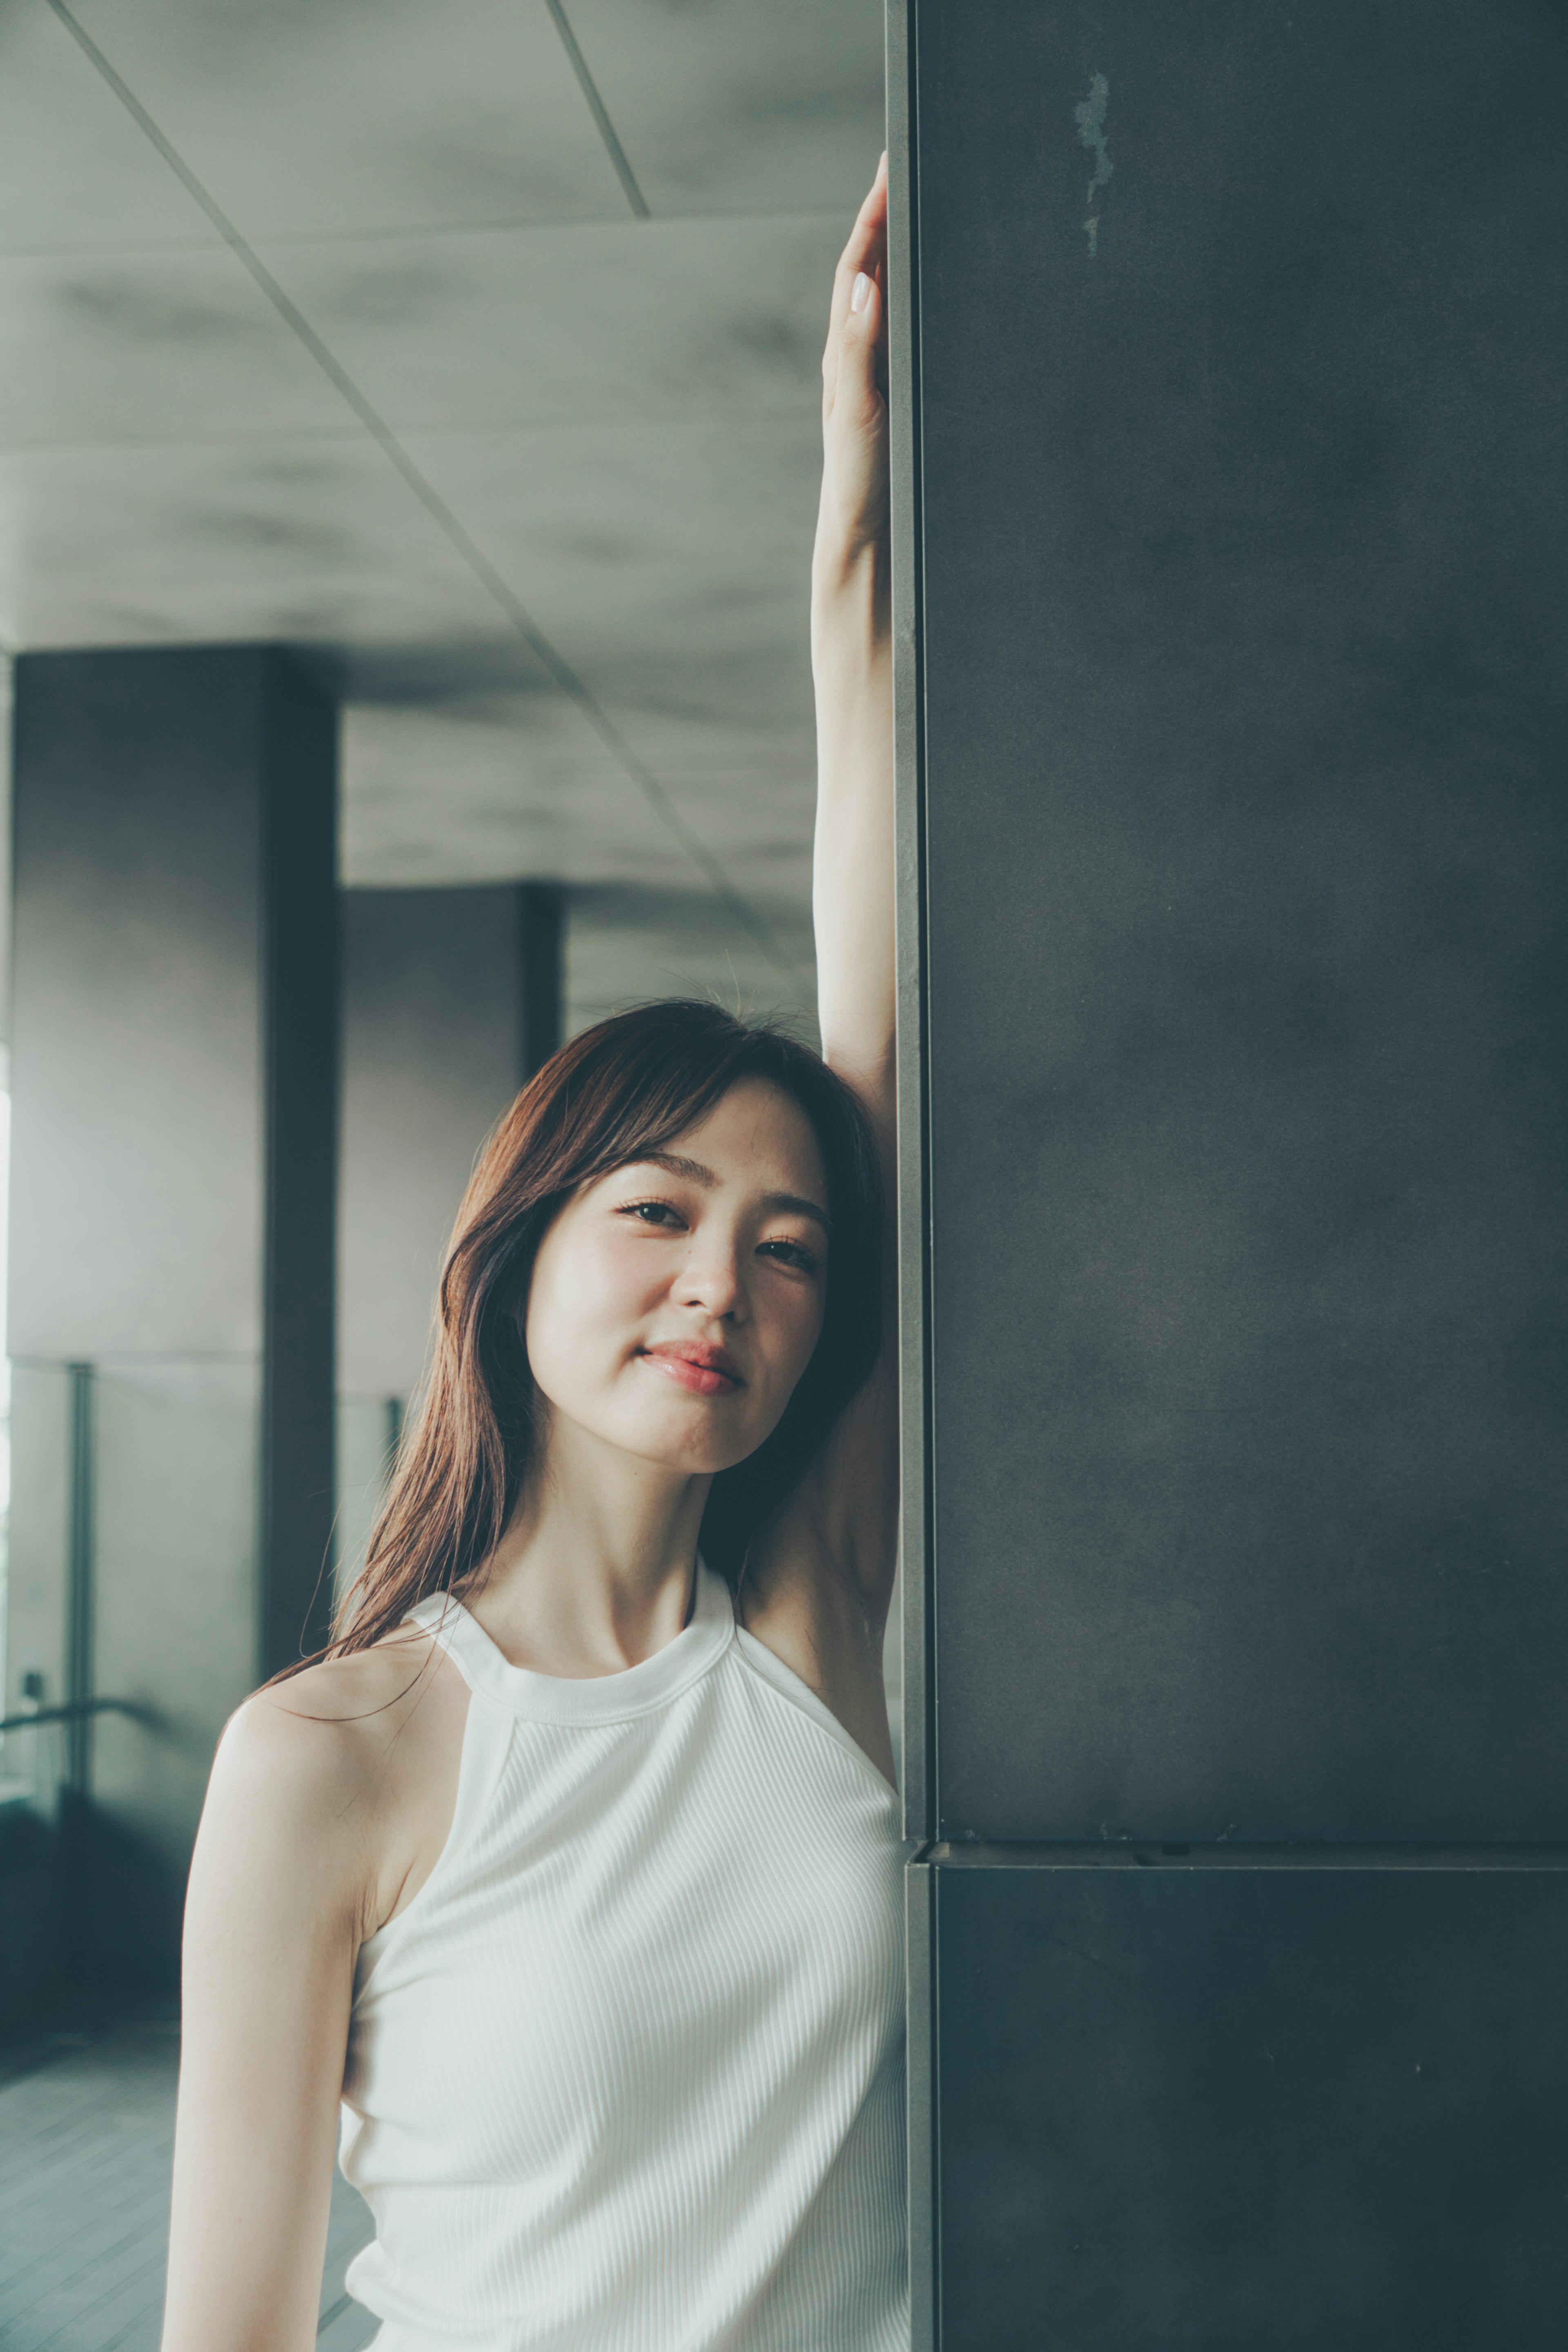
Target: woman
{"x":572,"y":1869}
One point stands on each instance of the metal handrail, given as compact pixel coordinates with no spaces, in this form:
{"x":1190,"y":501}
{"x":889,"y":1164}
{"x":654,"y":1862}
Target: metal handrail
{"x":74,"y":1709}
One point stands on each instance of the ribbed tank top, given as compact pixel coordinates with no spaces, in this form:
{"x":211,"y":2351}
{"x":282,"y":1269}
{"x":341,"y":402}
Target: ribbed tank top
{"x":627,"y":2075}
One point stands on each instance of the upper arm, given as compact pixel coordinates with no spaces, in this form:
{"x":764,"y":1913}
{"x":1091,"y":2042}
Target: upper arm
{"x":819,"y":1580}
{"x":273,"y":1918}
{"x":842,"y":1518}
{"x":840,"y":1526}
{"x":817,"y":1585}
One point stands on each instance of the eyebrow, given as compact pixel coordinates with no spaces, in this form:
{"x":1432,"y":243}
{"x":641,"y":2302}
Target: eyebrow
{"x":695,"y":1173}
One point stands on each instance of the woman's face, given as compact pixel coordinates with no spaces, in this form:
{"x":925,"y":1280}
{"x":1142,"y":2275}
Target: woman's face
{"x":676,"y":1302}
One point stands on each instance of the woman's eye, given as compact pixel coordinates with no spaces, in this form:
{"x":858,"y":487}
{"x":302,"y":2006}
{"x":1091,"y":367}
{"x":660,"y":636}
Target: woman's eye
{"x":791,"y":1253}
{"x":652,"y":1213}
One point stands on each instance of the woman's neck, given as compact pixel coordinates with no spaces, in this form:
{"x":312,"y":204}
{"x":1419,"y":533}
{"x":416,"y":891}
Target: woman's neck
{"x":595,"y":1570}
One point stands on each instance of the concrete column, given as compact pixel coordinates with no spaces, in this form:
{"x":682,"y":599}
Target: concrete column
{"x":542,"y":969}
{"x":170,"y":1314}
{"x":1231,"y":545}
{"x":453,"y":999}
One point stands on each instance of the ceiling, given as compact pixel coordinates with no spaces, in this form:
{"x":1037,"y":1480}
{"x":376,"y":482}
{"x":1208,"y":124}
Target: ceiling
{"x":472,"y":347}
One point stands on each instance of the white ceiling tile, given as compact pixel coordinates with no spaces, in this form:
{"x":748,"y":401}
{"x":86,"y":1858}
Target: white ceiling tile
{"x":704,"y":712}
{"x":626,"y":943}
{"x":459,"y":764}
{"x":167,"y":346}
{"x":669,"y":565}
{"x":305,"y":541}
{"x":623,"y":414}
{"x":517,"y":327}
{"x":309,"y":117}
{"x":491,"y":788}
{"x":741,"y":105}
{"x":685,"y":539}
{"x":75,"y":170}
{"x":759,"y":822}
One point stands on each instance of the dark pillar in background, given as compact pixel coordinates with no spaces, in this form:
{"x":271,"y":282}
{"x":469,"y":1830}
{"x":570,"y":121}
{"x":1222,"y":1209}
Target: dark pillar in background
{"x":300,"y":965}
{"x":453,"y":999}
{"x":1229,"y":589}
{"x":541,"y":972}
{"x":174,"y":1091}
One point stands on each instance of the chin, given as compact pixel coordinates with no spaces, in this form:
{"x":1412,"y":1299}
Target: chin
{"x":693,"y":1452}
{"x":692,"y":1460}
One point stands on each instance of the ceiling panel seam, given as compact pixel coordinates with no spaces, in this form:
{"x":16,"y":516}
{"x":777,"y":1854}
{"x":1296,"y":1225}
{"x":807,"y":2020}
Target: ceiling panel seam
{"x":554,"y":663}
{"x":599,"y":112}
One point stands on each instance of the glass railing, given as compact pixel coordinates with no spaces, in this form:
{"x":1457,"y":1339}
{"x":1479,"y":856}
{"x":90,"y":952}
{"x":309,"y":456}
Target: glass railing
{"x":131,"y":1611}
{"x":132,"y":1589}
{"x":132,"y":1573}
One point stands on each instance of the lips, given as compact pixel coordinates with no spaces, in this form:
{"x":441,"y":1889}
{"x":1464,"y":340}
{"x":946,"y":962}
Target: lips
{"x":701,"y":1369}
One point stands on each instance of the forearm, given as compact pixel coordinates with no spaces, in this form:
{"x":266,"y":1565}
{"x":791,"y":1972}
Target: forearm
{"x":852,"y":879}
{"x":852,"y":656}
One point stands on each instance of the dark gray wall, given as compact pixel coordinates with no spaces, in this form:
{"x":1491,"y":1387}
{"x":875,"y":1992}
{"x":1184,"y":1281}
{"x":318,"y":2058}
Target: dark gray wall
{"x":175,"y":1107}
{"x":1248,"y":2107}
{"x":1247,"y":542}
{"x":1232,"y":575}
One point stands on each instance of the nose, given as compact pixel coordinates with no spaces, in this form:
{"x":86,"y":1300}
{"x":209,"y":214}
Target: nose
{"x":711,"y":1280}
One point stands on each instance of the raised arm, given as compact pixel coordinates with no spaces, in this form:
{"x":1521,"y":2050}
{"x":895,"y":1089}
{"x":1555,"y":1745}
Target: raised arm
{"x":818,"y":1592}
{"x":852,"y":656}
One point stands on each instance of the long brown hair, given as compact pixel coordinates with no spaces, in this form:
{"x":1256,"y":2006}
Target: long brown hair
{"x":618,"y":1091}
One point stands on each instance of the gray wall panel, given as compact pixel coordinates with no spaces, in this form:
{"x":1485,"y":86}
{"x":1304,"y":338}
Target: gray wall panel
{"x":1245,"y":699}
{"x":1253,"y":2109}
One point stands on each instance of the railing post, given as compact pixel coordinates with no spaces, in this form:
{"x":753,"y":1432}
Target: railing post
{"x":80,"y":1579}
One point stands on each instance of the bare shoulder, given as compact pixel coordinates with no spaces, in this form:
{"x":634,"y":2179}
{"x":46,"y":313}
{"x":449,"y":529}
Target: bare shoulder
{"x":325,"y":1735}
{"x":346,"y":1774}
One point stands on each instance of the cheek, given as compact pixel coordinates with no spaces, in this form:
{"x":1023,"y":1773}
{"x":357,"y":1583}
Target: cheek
{"x":589,"y":1289}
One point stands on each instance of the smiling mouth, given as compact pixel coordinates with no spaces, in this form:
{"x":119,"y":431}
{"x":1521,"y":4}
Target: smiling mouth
{"x":701,"y":1371}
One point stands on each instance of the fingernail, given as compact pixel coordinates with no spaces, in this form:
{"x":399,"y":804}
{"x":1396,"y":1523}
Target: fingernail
{"x":859,"y":292}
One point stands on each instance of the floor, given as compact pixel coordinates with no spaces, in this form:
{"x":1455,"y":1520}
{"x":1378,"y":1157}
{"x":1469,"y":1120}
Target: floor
{"x":86,"y":2133}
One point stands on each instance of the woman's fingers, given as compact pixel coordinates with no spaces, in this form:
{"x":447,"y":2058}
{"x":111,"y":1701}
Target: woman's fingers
{"x":871,"y":221}
{"x":856,"y":386}
{"x":855,"y":338}
{"x":864,"y":255}
{"x":866,"y":244}
{"x":854,"y":512}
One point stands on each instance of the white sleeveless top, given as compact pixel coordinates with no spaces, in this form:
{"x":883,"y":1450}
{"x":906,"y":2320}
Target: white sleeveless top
{"x":627,"y":2075}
